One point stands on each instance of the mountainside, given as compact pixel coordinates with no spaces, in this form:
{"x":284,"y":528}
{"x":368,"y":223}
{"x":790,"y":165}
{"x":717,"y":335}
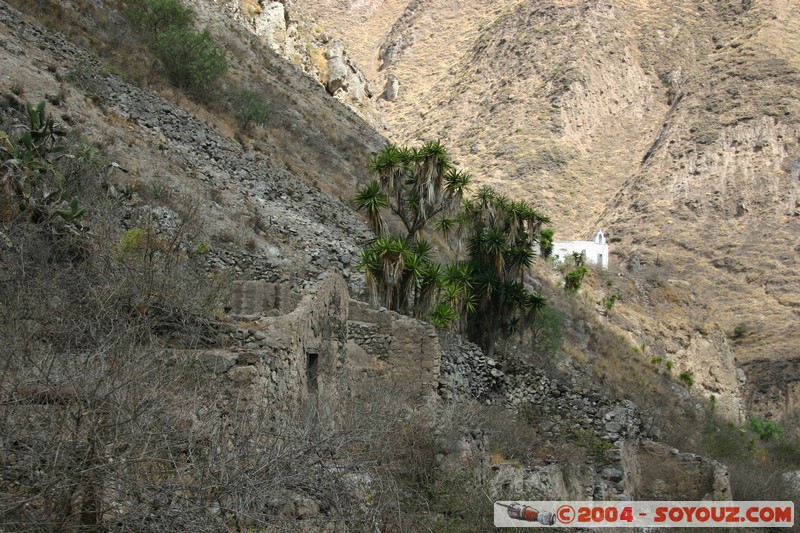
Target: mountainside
{"x":185,"y":341}
{"x":672,"y":125}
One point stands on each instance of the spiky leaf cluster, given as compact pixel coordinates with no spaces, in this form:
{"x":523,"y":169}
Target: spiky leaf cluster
{"x":400,"y":276}
{"x":487,"y":288}
{"x":417,"y":184}
{"x":28,"y":166}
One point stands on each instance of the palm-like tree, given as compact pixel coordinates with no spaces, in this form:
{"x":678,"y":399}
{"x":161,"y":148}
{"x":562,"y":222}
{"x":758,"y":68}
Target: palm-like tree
{"x":399,"y":276}
{"x":371,"y":200}
{"x":486,"y":290}
{"x":501,"y":235}
{"x":418,"y":184}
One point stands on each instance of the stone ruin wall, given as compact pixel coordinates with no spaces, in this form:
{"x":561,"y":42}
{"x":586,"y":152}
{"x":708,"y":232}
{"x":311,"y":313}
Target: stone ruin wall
{"x":324,"y":346}
{"x":384,"y":345}
{"x":357,"y":347}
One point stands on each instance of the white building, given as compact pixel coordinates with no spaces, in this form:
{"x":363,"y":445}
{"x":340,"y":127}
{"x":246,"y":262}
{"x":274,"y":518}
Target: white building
{"x":595,"y":252}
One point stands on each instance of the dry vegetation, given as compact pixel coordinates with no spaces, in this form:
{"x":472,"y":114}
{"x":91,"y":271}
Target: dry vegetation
{"x":108,"y":424}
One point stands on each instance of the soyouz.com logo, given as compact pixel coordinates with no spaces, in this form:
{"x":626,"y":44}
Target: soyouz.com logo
{"x":643,"y":514}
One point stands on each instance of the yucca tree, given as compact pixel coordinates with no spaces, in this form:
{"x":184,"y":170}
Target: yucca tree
{"x":417,"y":184}
{"x":501,"y":236}
{"x":430,"y":280}
{"x":401,"y":277}
{"x":371,"y":200}
{"x":483,"y":293}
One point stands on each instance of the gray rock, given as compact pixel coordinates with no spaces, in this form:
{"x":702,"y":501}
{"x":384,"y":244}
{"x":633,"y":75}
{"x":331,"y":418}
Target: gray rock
{"x":613,"y":474}
{"x":392,"y":89}
{"x":218,"y":361}
{"x":243,"y":375}
{"x":337,"y":75}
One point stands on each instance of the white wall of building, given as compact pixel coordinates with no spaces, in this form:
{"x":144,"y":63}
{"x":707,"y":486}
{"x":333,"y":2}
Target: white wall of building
{"x":595,"y":251}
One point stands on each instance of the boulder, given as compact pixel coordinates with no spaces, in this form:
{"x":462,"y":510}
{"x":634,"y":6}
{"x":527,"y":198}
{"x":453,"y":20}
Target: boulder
{"x":270,"y":25}
{"x":392,"y":89}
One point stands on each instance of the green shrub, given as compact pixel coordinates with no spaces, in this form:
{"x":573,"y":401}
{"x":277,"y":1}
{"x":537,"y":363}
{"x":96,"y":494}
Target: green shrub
{"x":574,"y":278}
{"x":546,"y":243}
{"x":193,"y":61}
{"x":608,"y":301}
{"x":155,"y":17}
{"x":249,"y":108}
{"x":765,"y":429}
{"x":132,"y":241}
{"x":740,"y":330}
{"x":687,"y":377}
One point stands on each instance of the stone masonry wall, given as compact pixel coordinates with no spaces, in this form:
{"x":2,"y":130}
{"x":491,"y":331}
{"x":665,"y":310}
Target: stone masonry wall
{"x":260,"y":298}
{"x":385,"y":343}
{"x":313,"y":335}
{"x":321,"y":347}
{"x":285,"y":360}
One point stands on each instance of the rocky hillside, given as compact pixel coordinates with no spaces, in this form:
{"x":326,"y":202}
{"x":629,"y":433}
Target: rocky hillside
{"x":188,"y":352}
{"x":672,"y":125}
{"x":258,"y":198}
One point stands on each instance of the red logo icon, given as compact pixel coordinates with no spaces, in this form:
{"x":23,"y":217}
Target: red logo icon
{"x":565,"y":514}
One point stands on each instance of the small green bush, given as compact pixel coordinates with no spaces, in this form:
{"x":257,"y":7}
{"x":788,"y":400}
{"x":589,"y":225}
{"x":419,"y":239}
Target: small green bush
{"x":608,"y":301}
{"x":546,"y":243}
{"x":193,"y":61}
{"x":249,"y":108}
{"x":155,"y":17}
{"x":132,"y":241}
{"x":202,"y":248}
{"x":740,"y":330}
{"x":765,"y":429}
{"x":574,"y":278}
{"x":687,"y":377}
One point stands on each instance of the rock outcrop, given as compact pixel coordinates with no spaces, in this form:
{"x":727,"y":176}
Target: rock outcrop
{"x":645,"y":471}
{"x":319,"y":55}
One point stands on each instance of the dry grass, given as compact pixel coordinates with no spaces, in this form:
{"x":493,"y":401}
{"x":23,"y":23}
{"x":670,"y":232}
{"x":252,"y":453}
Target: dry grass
{"x":251,"y":8}
{"x":319,"y":63}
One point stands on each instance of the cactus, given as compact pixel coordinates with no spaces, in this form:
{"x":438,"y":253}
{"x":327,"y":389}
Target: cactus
{"x":73,"y":213}
{"x":40,"y":136}
{"x":30,"y":159}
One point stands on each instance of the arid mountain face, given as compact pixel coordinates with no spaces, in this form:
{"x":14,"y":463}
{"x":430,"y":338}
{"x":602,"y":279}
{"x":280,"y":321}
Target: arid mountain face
{"x":674,"y":125}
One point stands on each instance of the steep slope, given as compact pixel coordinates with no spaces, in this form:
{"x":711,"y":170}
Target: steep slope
{"x":261,"y":200}
{"x":715,"y":199}
{"x":184,"y":425}
{"x":673,"y":125}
